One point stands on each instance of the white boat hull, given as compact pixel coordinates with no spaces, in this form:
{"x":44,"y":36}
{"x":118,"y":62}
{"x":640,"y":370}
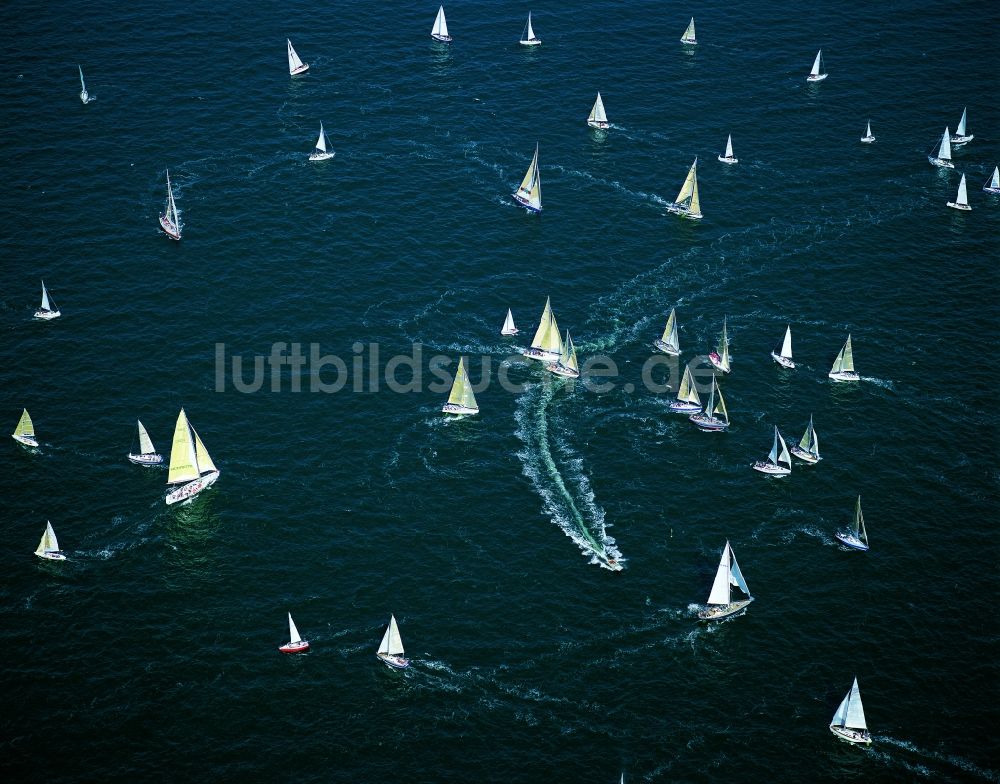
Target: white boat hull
{"x":26,"y":440}
{"x":944,"y":164}
{"x":169,"y":228}
{"x":601,"y":125}
{"x":849,"y":539}
{"x":956,"y":206}
{"x":300,"y":70}
{"x":147,"y":459}
{"x":816,"y":77}
{"x":541,"y":355}
{"x":717,"y":612}
{"x":52,"y":555}
{"x":393,"y":662}
{"x":525,"y":203}
{"x":785,"y":362}
{"x":666,"y":348}
{"x":962,"y":139}
{"x":684,"y":212}
{"x":47,"y":315}
{"x":445,"y":39}
{"x":321,"y":156}
{"x":708,"y":423}
{"x":867,"y":139}
{"x":689,"y":41}
{"x":684,"y":407}
{"x":189,"y":490}
{"x":771,"y":469}
{"x":562,"y":370}
{"x":844,"y":375}
{"x":851,"y":736}
{"x":990,"y":189}
{"x":531,"y":41}
{"x":455,"y":408}
{"x":732,"y":159}
{"x":509,"y":332}
{"x":802,"y":454}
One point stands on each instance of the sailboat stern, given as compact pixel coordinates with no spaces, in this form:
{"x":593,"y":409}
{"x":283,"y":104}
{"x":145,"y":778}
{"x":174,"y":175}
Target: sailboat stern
{"x":189,"y":490}
{"x":150,"y":459}
{"x":25,"y":439}
{"x":844,"y":375}
{"x":458,"y":409}
{"x":851,"y":735}
{"x":771,"y":469}
{"x":717,"y":612}
{"x":785,"y":362}
{"x":391,"y":661}
{"x":708,"y":422}
{"x":170,"y":228}
{"x":849,"y":539}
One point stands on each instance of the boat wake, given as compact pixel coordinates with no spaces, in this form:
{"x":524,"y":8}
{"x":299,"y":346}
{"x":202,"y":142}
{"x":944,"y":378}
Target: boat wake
{"x":882,"y":382}
{"x":541,"y":468}
{"x":930,"y":762}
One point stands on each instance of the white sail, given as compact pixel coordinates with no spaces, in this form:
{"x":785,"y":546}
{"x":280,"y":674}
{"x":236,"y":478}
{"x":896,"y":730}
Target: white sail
{"x":530,"y":189}
{"x":959,"y":131}
{"x":810,"y":442}
{"x":688,"y":37}
{"x":670,"y":336}
{"x":994,"y":184}
{"x":440,"y":24}
{"x":294,"y":61}
{"x":48,"y":543}
{"x":597,"y":114}
{"x":84,"y":95}
{"x":391,"y":643}
{"x":845,"y":359}
{"x":321,"y":141}
{"x":46,"y":305}
{"x":205,"y":463}
{"x":773,"y":454}
{"x":868,"y":130}
{"x":851,"y":713}
{"x":508,"y":327}
{"x":786,"y":345}
{"x":729,"y":146}
{"x":860,"y":532}
{"x":723,"y":348}
{"x":719,"y":409}
{"x":816,"y":63}
{"x":145,"y":442}
{"x":721,"y":592}
{"x":783,"y":456}
{"x":293,"y":633}
{"x":963,"y":196}
{"x":944,"y":151}
{"x":568,"y":357}
{"x":528,"y":34}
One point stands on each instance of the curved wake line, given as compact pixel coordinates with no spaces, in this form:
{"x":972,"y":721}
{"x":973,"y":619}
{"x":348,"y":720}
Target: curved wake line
{"x":558,"y":502}
{"x":948,"y":759}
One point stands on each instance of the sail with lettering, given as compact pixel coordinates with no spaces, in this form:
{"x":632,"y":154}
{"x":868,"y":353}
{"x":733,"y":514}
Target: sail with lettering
{"x":191,"y":468}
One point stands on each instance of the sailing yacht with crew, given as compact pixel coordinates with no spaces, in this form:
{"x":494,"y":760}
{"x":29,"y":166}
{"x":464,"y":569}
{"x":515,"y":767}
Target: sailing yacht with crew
{"x":508,"y":327}
{"x":546,"y":346}
{"x":669,"y":342}
{"x":567,"y":364}
{"x":84,"y":95}
{"x":597,"y":117}
{"x":191,"y":467}
{"x":962,"y":199}
{"x":848,"y":721}
{"x":24,"y":433}
{"x":462,"y":400}
{"x":295,"y":642}
{"x":943,"y":156}
{"x":689,"y":37}
{"x":48,"y":310}
{"x":170,"y":219}
{"x":993,"y":184}
{"x":728,"y":156}
{"x":714,"y":418}
{"x":720,"y":357}
{"x":843,"y":365}
{"x":869,"y":137}
{"x":321,"y":152}
{"x":778,"y":462}
{"x":295,"y":64}
{"x":855,"y":535}
{"x":807,"y":449}
{"x":783,"y":354}
{"x":390,"y":650}
{"x":816,"y":73}
{"x":147,"y":454}
{"x":48,"y":547}
{"x":721,"y":602}
{"x":961,"y":135}
{"x":529,"y":192}
{"x":439,"y":32}
{"x":528,"y":37}
{"x":687,"y":401}
{"x":687,"y":204}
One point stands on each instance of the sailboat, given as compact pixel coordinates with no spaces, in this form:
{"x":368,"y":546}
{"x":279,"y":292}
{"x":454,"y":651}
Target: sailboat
{"x":720,"y":600}
{"x":943,"y":156}
{"x":687,"y":400}
{"x":848,"y":722}
{"x":961,"y":136}
{"x":687,"y":203}
{"x":597,"y":117}
{"x":728,"y":157}
{"x":321,"y":153}
{"x":688,"y":37}
{"x":993,"y":185}
{"x":546,"y":346}
{"x":440,"y":30}
{"x":462,"y":399}
{"x":295,"y":643}
{"x":843,"y":365}
{"x":720,"y":357}
{"x":191,"y":467}
{"x":295,"y":64}
{"x":567,"y":364}
{"x":84,"y":95}
{"x":147,"y":454}
{"x":529,"y":192}
{"x":508,"y":327}
{"x":714,"y":418}
{"x":24,"y":433}
{"x":855,"y":535}
{"x":783,"y":354}
{"x":779,"y":462}
{"x":528,"y":35}
{"x":170,"y":220}
{"x":869,"y":137}
{"x":817,"y":74}
{"x":962,"y":200}
{"x":390,"y":650}
{"x":48,"y":547}
{"x":808,"y":448}
{"x":48,"y":310}
{"x":668,"y":342}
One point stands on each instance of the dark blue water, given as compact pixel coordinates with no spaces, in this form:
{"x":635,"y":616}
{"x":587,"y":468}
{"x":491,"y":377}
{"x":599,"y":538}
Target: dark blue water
{"x":151,"y":654}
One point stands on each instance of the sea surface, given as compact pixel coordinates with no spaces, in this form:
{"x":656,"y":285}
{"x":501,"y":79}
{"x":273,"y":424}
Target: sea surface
{"x":151,"y":654}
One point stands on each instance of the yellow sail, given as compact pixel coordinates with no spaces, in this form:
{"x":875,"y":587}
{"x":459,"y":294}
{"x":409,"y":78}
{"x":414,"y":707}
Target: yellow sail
{"x":461,"y":390}
{"x":204,"y":460}
{"x":531,"y":186}
{"x":551,"y":341}
{"x":543,"y":325}
{"x":183,"y":462}
{"x":25,"y":426}
{"x":568,"y":358}
{"x":695,"y":205}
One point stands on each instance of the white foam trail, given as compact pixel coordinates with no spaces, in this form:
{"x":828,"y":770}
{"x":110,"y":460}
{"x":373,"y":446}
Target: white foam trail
{"x":949,"y":759}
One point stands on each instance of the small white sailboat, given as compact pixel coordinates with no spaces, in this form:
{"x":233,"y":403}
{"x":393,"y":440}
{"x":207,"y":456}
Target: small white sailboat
{"x":779,"y":462}
{"x":961,"y":135}
{"x":783,"y":354}
{"x":390,"y":650}
{"x":147,"y":454}
{"x":721,"y":603}
{"x":295,"y":642}
{"x":191,"y":467}
{"x":687,"y":203}
{"x":567,"y":364}
{"x":462,"y":399}
{"x":943,"y":156}
{"x":24,"y":433}
{"x":849,"y":720}
{"x":728,"y":157}
{"x":48,"y":547}
{"x":808,"y":448}
{"x":84,"y":95}
{"x":528,"y":37}
{"x":597,"y":117}
{"x":546,"y":346}
{"x":817,"y":74}
{"x":295,"y":64}
{"x":669,"y":342}
{"x":869,"y":137}
{"x":322,"y":151}
{"x":508,"y":327}
{"x":715,"y":417}
{"x":962,"y":199}
{"x":440,"y":30}
{"x":993,"y":184}
{"x":720,"y":357}
{"x":855,"y":536}
{"x":529,"y":192}
{"x":843,"y":365}
{"x":688,"y":37}
{"x":170,"y":219}
{"x":48,"y":310}
{"x":687,"y":400}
